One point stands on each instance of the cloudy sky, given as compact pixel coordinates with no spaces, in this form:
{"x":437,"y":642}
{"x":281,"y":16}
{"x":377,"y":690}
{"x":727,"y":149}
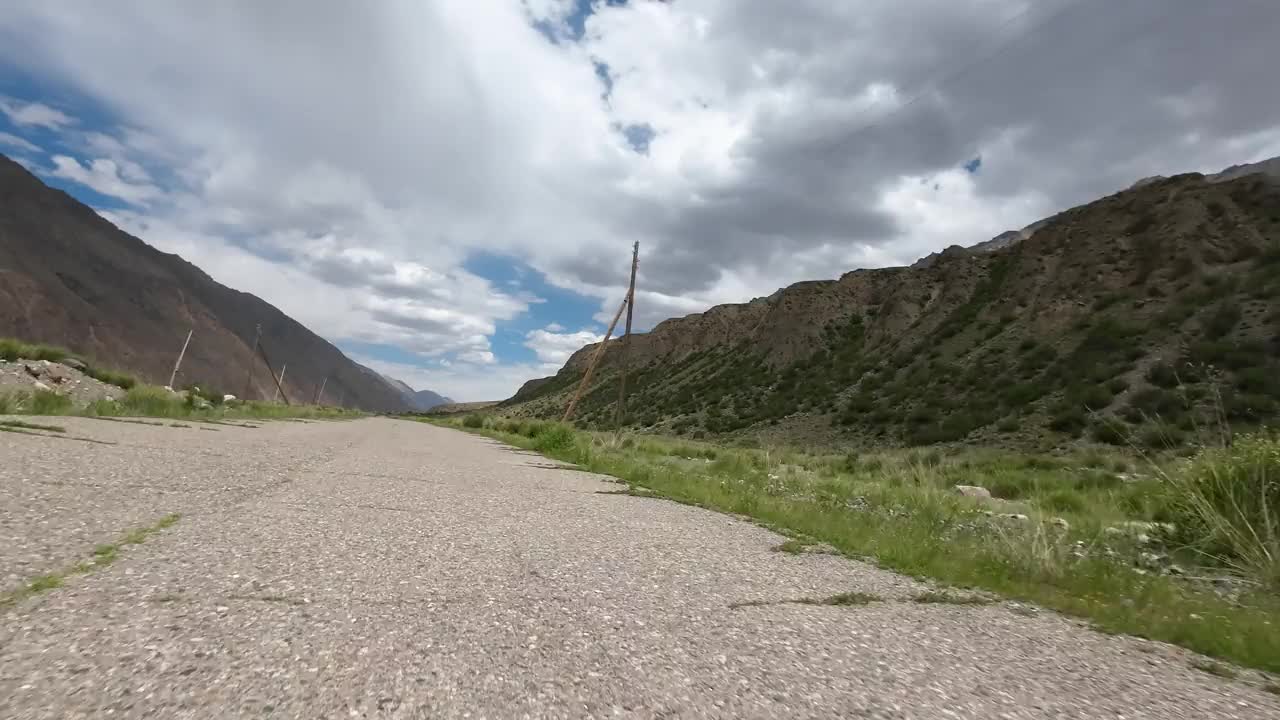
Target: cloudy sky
{"x":448,"y":189}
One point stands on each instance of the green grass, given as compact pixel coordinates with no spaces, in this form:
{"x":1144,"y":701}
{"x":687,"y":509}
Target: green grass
{"x":899,"y":508}
{"x":102,"y":556}
{"x":146,"y":401}
{"x":12,"y":349}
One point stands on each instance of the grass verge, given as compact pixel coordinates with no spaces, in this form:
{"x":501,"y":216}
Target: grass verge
{"x":145,"y":401}
{"x":899,"y":508}
{"x":103,"y":555}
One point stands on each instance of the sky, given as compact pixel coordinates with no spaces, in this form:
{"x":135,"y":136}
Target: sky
{"x":448,"y":190}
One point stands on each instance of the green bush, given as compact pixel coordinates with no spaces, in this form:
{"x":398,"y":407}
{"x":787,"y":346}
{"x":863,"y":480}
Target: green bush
{"x":473,"y":421}
{"x":111,"y":377}
{"x":1226,"y":503}
{"x":11,"y":349}
{"x":1108,"y":432}
{"x":47,"y":402}
{"x":150,"y":401}
{"x":1063,"y":501}
{"x":554,"y":437}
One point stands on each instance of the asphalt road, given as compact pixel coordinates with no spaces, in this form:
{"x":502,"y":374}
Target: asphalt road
{"x":389,"y":569}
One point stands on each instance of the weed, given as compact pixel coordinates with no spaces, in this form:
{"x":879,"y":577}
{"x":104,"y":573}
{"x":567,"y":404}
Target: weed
{"x":943,"y":597}
{"x":1225,"y":502}
{"x":843,"y":599}
{"x":794,"y":547}
{"x":473,"y":421}
{"x":1214,"y":668}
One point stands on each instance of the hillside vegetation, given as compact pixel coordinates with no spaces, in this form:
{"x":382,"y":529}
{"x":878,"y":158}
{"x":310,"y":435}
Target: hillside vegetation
{"x":1147,"y":317}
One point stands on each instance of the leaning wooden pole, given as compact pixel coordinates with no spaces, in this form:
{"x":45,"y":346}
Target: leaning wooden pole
{"x":591,"y":368}
{"x":262,"y":349}
{"x":626,"y":339}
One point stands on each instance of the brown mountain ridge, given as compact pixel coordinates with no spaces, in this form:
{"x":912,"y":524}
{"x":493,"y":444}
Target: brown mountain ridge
{"x":1147,"y":316}
{"x":69,"y":277}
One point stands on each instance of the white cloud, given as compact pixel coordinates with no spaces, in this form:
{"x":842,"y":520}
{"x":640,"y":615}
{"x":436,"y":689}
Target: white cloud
{"x":360,"y":168}
{"x":14,"y":141}
{"x":553,"y":347}
{"x":34,"y":114}
{"x":103,"y":176}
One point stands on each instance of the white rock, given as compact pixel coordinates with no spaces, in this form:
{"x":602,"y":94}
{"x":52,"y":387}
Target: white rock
{"x":973,"y":491}
{"x":228,"y":398}
{"x":1016,"y":517}
{"x":1060,"y":523}
{"x":41,"y":386}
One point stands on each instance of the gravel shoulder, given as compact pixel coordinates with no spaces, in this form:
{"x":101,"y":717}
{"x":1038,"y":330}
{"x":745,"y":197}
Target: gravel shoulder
{"x":382,"y":568}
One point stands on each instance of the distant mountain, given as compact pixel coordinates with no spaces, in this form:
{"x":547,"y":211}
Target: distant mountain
{"x":1147,"y":314}
{"x":421,"y":400}
{"x":69,"y":277}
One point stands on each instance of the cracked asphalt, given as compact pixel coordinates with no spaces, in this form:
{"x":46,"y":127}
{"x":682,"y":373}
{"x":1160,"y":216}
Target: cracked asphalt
{"x":391,"y":569}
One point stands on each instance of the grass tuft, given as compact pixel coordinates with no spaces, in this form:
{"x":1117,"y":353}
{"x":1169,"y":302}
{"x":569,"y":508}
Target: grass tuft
{"x":843,"y":599}
{"x":1215,"y":668}
{"x":31,"y":426}
{"x":942,"y":597}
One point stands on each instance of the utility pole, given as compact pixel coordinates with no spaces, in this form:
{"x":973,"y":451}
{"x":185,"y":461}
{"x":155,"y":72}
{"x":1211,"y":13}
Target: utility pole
{"x":595,"y":359}
{"x":320,"y":391}
{"x":283,"y":369}
{"x":174,"y":376}
{"x":253,"y":359}
{"x":626,"y":338}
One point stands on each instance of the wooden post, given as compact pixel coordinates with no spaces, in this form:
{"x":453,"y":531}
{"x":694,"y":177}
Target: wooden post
{"x":626,"y":339}
{"x":283,"y":368}
{"x":262,"y":348}
{"x":253,"y":360}
{"x":591,"y":368}
{"x":174,"y":376}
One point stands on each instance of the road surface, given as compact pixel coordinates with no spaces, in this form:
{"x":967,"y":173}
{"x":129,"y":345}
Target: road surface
{"x":390,"y":569}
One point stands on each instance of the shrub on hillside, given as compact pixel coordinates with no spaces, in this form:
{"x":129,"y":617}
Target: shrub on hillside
{"x":473,"y":421}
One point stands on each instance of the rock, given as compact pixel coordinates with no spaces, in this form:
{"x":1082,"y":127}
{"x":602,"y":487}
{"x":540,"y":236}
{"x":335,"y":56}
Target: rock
{"x":41,"y":386}
{"x":1060,"y":523}
{"x":200,"y":403}
{"x":973,"y":491}
{"x":1152,"y":561}
{"x":1143,"y":539}
{"x":1175,"y":570}
{"x":1016,"y":517}
{"x":1113,"y":531}
{"x":75,"y":364}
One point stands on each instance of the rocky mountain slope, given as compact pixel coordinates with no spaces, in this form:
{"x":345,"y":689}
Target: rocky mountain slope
{"x":419,"y":400}
{"x":68,"y":277}
{"x":1144,"y":316}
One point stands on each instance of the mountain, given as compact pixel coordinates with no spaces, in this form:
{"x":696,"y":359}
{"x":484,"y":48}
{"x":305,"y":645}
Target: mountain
{"x":69,"y":277}
{"x":421,"y":400}
{"x":1146,"y":314}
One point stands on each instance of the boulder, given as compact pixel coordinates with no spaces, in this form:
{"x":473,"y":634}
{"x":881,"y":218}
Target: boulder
{"x":75,"y":363}
{"x":1060,"y":523}
{"x":973,"y":491}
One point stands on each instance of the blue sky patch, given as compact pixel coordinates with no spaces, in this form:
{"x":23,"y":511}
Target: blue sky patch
{"x":565,"y":307}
